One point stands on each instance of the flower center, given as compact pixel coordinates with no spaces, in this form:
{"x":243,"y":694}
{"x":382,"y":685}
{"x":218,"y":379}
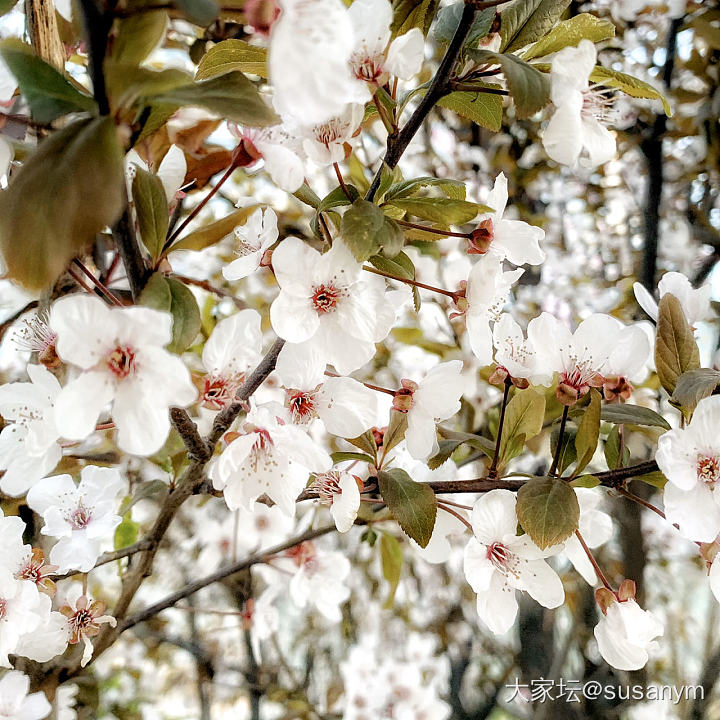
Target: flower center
{"x":121,"y":362}
{"x":502,"y":559}
{"x":366,"y":67}
{"x":598,"y":103}
{"x":37,"y":337}
{"x":327,"y":485}
{"x":302,"y":406}
{"x":80,"y":517}
{"x":218,"y":392}
{"x":325,"y":298}
{"x":708,"y":469}
{"x":304,"y":556}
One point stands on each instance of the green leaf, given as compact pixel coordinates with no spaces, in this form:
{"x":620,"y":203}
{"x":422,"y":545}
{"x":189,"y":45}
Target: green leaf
{"x":548,"y":510}
{"x":524,"y":417}
{"x":151,"y":207}
{"x":199,"y":12}
{"x":585,"y":481}
{"x":395,"y":431}
{"x":343,"y":456}
{"x":231,"y":96}
{"x":529,"y":88}
{"x":338,"y":198}
{"x":568,"y":455}
{"x":623,"y":414}
{"x":629,"y":85}
{"x":170,"y":295}
{"x":656,"y":479}
{"x":391,"y":556}
{"x":127,"y":82}
{"x":6,"y":6}
{"x":450,"y":440}
{"x":46,"y":90}
{"x":676,"y":351}
{"x":445,"y":211}
{"x":692,"y":387}
{"x":138,"y":35}
{"x":230,"y":55}
{"x":214,"y":232}
{"x":412,"y":504}
{"x":484,"y":109}
{"x":569,"y":33}
{"x":448,"y":19}
{"x":451,"y":188}
{"x":588,"y":432}
{"x":67,"y":190}
{"x":142,"y":491}
{"x":612,"y":450}
{"x":366,"y":231}
{"x":306,"y":195}
{"x":366,"y":442}
{"x":388,"y":178}
{"x":126,"y":533}
{"x":409,"y":14}
{"x":399,"y":266}
{"x":526,"y":21}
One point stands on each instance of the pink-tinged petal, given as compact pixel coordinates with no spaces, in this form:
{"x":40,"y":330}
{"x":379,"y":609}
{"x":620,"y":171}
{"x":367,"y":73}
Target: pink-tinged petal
{"x":242,"y":267}
{"x":142,"y":425}
{"x":542,"y":583}
{"x":406,"y":54}
{"x":494,"y":516}
{"x":283,"y":165}
{"x":235,"y":344}
{"x":346,"y":407}
{"x":497,"y":606}
{"x":519,"y":242}
{"x":676,"y":457}
{"x":294,"y":319}
{"x":421,"y":433}
{"x":294,"y":264}
{"x":598,"y":141}
{"x":172,"y":171}
{"x":563,"y":136}
{"x":477,"y":567}
{"x":345,"y":506}
{"x":80,"y":402}
{"x":86,"y":329}
{"x":645,"y":300}
{"x":695,"y":511}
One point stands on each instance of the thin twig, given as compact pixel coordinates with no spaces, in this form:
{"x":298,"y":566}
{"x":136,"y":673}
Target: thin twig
{"x":593,"y":562}
{"x":492,"y":472}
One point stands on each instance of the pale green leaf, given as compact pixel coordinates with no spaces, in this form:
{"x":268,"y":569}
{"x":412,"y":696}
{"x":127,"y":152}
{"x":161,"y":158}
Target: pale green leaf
{"x":524,"y":417}
{"x":214,"y":232}
{"x":151,"y":208}
{"x":569,"y":33}
{"x":526,"y":21}
{"x":138,"y":35}
{"x":588,"y":432}
{"x":629,"y":85}
{"x":485,"y":109}
{"x":443,"y":210}
{"x":230,"y":55}
{"x":676,"y":351}
{"x":692,"y":387}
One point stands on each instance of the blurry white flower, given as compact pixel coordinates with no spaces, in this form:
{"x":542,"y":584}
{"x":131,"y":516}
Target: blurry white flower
{"x":84,"y":617}
{"x":16,"y":701}
{"x":581,"y":110}
{"x":517,"y":355}
{"x":171,"y":171}
{"x":120,"y":352}
{"x":280,"y":150}
{"x":325,"y":142}
{"x":341,"y":492}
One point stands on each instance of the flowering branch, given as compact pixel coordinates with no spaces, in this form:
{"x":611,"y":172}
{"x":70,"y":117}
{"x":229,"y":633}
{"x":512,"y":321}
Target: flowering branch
{"x":218,"y":575}
{"x":397,"y":142}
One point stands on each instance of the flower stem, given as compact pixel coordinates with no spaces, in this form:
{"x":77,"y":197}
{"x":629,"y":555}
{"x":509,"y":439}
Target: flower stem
{"x":492,"y":472}
{"x":97,"y":283}
{"x":415,"y":283}
{"x":593,"y":562}
{"x":385,"y":390}
{"x":559,"y":447}
{"x":436,"y":231}
{"x":342,"y":182}
{"x":640,"y":501}
{"x":443,"y":506}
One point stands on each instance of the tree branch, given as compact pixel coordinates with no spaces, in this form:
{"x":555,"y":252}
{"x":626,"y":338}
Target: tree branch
{"x":439,"y":87}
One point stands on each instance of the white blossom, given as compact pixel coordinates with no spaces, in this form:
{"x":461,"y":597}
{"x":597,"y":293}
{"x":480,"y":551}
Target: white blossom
{"x":16,"y":700}
{"x":252,"y":240}
{"x":695,"y":302}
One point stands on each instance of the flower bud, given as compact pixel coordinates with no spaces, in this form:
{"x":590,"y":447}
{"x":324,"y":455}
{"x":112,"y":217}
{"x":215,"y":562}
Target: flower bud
{"x":604,"y":598}
{"x":626,"y":591}
{"x":481,"y":238}
{"x":261,"y":15}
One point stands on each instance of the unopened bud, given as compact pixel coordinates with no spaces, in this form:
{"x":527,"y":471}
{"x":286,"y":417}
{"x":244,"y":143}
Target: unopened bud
{"x":261,"y":14}
{"x":403,"y":399}
{"x":566,"y":394}
{"x":481,"y":238}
